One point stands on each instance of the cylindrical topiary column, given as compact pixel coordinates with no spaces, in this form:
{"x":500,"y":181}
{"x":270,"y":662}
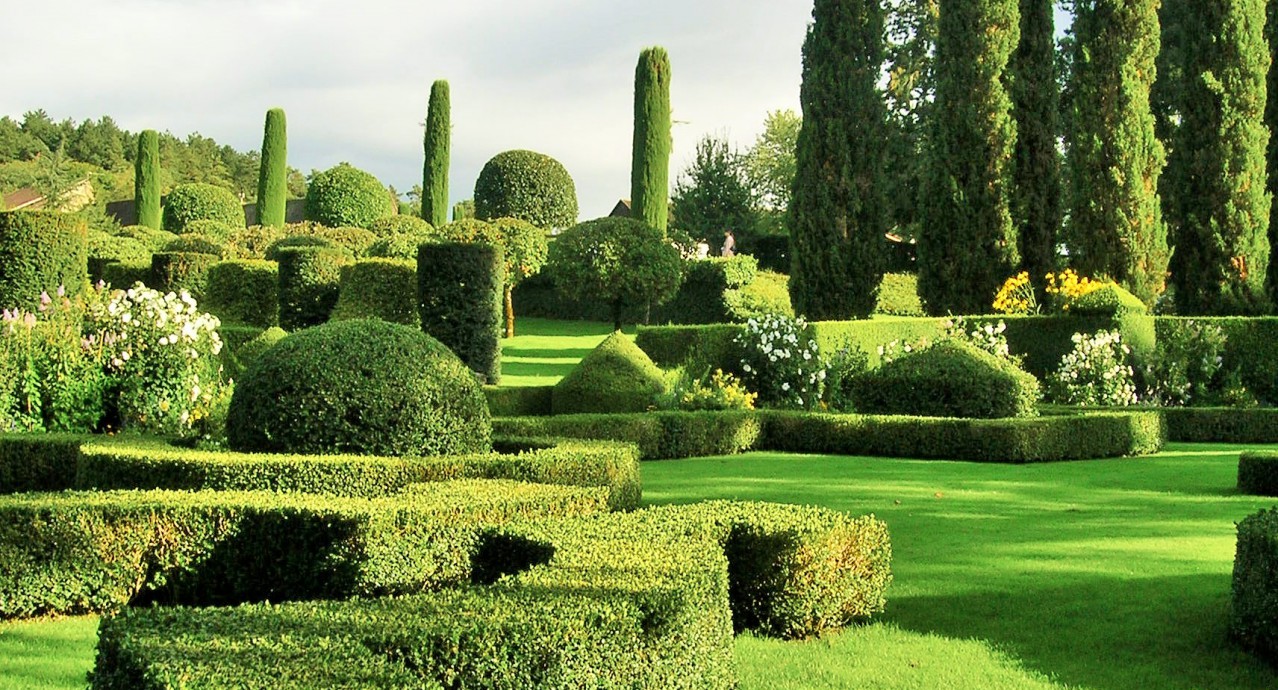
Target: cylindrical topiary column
{"x":244,"y":292}
{"x":436,"y":144}
{"x":177,"y":271}
{"x":272,"y":180}
{"x":383,"y":289}
{"x":146,"y":181}
{"x":459,"y":298}
{"x":310,"y":278}
{"x":40,"y":251}
{"x":650,"y":153}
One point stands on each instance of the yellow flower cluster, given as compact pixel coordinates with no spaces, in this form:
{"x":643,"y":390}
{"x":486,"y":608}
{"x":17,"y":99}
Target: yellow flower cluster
{"x":1016,"y":296}
{"x":1068,"y":286}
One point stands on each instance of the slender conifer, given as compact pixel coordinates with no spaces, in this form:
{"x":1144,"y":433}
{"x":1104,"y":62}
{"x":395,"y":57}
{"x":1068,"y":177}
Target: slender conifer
{"x":147,"y":180}
{"x":272,"y":178}
{"x":437,"y":144}
{"x":650,"y":156}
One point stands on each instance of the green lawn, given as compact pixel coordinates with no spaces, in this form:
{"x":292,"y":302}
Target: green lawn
{"x":544,"y":351}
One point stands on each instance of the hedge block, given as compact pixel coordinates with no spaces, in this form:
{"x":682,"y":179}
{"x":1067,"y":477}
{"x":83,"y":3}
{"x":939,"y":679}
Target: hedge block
{"x":244,"y":292}
{"x":1258,"y":473}
{"x":1253,"y":616}
{"x":459,"y":298}
{"x":310,"y":278}
{"x":383,"y":289}
{"x":40,"y":251}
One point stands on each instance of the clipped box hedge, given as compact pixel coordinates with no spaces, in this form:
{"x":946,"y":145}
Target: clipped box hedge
{"x":658,"y":435}
{"x":244,"y":292}
{"x":383,"y":289}
{"x":1258,"y":473}
{"x":1253,"y":615}
{"x":309,"y":279}
{"x":177,"y":271}
{"x":82,"y":552}
{"x":38,"y":462}
{"x":523,"y":401}
{"x":459,"y":301}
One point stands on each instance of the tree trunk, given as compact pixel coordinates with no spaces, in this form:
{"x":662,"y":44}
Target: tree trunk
{"x":616,"y":315}
{"x":510,"y":312}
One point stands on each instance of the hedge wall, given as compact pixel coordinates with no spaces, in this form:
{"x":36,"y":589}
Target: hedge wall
{"x":459,"y":300}
{"x":244,"y":292}
{"x":1253,"y":616}
{"x":198,"y":201}
{"x":176,"y":271}
{"x":40,"y":251}
{"x":38,"y":462}
{"x":523,"y":401}
{"x":1249,"y":348}
{"x":383,"y":289}
{"x":310,"y":278}
{"x":124,"y":276}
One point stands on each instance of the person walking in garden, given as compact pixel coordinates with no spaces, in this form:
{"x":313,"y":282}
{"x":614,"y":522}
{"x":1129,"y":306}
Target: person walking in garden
{"x":729,"y":244}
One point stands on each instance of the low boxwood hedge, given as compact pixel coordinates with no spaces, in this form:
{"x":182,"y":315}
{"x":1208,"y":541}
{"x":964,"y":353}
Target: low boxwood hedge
{"x":38,"y":462}
{"x":1253,"y":616}
{"x":1258,"y":473}
{"x":82,"y":552}
{"x":520,"y":401}
{"x":658,"y":435}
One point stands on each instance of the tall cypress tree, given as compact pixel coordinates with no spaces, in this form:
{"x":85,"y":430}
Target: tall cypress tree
{"x":838,"y":212}
{"x":272,"y":177}
{"x":1271,"y":162}
{"x":1116,"y":225}
{"x":1036,"y":208}
{"x":146,"y":179}
{"x":436,"y":143}
{"x":650,"y":153}
{"x":967,"y":242}
{"x":1218,"y":210}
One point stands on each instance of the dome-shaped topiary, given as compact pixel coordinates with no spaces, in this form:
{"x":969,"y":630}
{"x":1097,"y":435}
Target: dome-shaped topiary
{"x":948,"y":379}
{"x":401,"y":225}
{"x":188,"y":203}
{"x":529,"y":186}
{"x":617,"y":376}
{"x":361,"y":386}
{"x":344,"y":195}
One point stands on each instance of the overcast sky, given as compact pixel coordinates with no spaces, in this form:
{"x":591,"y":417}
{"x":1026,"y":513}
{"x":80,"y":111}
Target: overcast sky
{"x":555,"y":76}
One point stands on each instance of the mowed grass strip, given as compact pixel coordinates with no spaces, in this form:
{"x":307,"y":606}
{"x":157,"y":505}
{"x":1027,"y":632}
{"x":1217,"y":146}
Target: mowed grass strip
{"x":47,"y":654}
{"x":544,"y":350}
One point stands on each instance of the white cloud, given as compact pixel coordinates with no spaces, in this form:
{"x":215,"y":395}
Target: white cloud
{"x":554,"y":76}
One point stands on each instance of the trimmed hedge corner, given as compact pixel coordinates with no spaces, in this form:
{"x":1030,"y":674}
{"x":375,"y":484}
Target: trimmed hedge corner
{"x":1258,"y":474}
{"x":1253,"y":616}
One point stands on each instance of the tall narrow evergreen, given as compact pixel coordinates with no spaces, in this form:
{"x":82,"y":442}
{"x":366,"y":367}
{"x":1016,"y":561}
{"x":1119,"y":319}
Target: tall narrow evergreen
{"x":272,"y":177}
{"x":837,"y":212}
{"x":1218,"y":210}
{"x":1116,"y":225}
{"x":146,"y":180}
{"x":650,"y":154}
{"x":967,"y":242}
{"x":1271,"y":161}
{"x":1036,"y":207}
{"x":437,"y":144}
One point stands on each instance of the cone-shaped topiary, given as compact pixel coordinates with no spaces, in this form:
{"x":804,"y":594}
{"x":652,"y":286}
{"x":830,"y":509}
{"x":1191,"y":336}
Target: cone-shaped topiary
{"x":650,"y":153}
{"x":617,"y":376}
{"x":362,"y":386}
{"x":436,"y":143}
{"x":146,"y":181}
{"x":272,"y":179}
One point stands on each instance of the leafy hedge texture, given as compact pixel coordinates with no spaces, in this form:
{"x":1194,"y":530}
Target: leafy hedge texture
{"x":1253,"y":617}
{"x":362,"y":386}
{"x":310,"y":282}
{"x":177,"y":271}
{"x":614,"y":377}
{"x":437,"y":144}
{"x":650,"y":149}
{"x":529,"y":186}
{"x":459,"y":296}
{"x":344,"y":195}
{"x":243,"y":292}
{"x":40,"y":251}
{"x":949,"y":379}
{"x":383,"y":289}
{"x":198,"y":201}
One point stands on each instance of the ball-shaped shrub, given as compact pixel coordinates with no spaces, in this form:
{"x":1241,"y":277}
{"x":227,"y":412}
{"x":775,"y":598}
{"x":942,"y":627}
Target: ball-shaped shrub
{"x":39,"y":252}
{"x":344,"y":195}
{"x":398,"y":247}
{"x":948,"y":379}
{"x":355,"y":240}
{"x":362,"y":386}
{"x":529,"y":186}
{"x":188,"y":203}
{"x":616,"y":376}
{"x":401,"y":225}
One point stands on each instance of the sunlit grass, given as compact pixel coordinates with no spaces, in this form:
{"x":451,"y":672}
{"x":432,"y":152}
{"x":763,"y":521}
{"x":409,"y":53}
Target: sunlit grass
{"x":544,"y":351}
{"x":38,"y":655}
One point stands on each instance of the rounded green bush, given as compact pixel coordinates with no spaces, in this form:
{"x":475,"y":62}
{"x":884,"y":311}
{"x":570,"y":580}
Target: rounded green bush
{"x":155,"y":239}
{"x":355,"y":240}
{"x":529,"y":186}
{"x":39,"y":252}
{"x":193,"y":243}
{"x":106,"y":247}
{"x":344,"y":195}
{"x":188,"y":203}
{"x":616,"y":376}
{"x":398,"y":247}
{"x":383,"y":289}
{"x":401,"y":225}
{"x":948,"y":379}
{"x":213,"y":229}
{"x":177,"y":271}
{"x":243,"y":357}
{"x":361,"y":386}
{"x":253,"y":241}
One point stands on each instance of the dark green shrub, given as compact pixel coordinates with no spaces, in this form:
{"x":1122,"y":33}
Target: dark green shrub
{"x":437,"y":143}
{"x":1253,"y":615}
{"x":344,"y":196}
{"x":177,"y":271}
{"x":245,"y":292}
{"x":253,"y":241}
{"x":519,"y":402}
{"x":215,"y":230}
{"x":153,"y":238}
{"x":1110,"y":300}
{"x":529,"y":186}
{"x":122,"y":275}
{"x":948,"y":379}
{"x":38,"y":462}
{"x":238,"y":358}
{"x":276,"y":248}
{"x":1248,"y":349}
{"x":523,"y":247}
{"x":192,"y":243}
{"x":310,"y":279}
{"x":459,"y":288}
{"x":104,"y":249}
{"x":899,"y":295}
{"x":614,"y":377}
{"x":701,"y":295}
{"x":39,"y":252}
{"x":187,"y":203}
{"x":398,"y":246}
{"x":842,"y":368}
{"x":1258,"y":473}
{"x":650,"y":149}
{"x":383,"y":289}
{"x":360,"y":386}
{"x":400,"y":225}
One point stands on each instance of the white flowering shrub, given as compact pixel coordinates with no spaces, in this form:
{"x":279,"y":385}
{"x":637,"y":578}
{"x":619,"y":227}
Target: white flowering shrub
{"x":989,"y":337}
{"x":1187,"y":368}
{"x":779,"y":361}
{"x":1096,"y":372}
{"x":163,"y":352}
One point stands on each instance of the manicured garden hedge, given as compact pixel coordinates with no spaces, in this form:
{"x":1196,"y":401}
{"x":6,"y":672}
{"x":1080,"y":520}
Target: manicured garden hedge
{"x":38,"y":462}
{"x":459,"y":300}
{"x":616,"y":376}
{"x":1249,"y":348}
{"x":1253,"y":620}
{"x":176,"y":271}
{"x":659,"y":435}
{"x":1258,"y":474}
{"x":126,"y":275}
{"x":198,"y":201}
{"x":522,"y":401}
{"x":40,"y":251}
{"x":383,"y":289}
{"x":244,"y":292}
{"x":948,"y":379}
{"x":310,"y":278}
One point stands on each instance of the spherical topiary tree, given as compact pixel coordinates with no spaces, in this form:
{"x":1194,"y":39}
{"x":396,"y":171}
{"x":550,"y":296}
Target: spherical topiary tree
{"x":361,"y":386}
{"x":198,"y":201}
{"x":622,"y":261}
{"x":346,"y":195}
{"x":529,"y":186}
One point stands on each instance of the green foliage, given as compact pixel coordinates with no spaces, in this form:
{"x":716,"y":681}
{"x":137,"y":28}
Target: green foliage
{"x":620,"y":261}
{"x":702,"y":296}
{"x":214,"y":229}
{"x":391,"y":226}
{"x":243,"y":292}
{"x":310,"y":282}
{"x":1271,"y":152}
{"x":187,"y":203}
{"x":153,"y":238}
{"x":252,"y":242}
{"x":147,"y":200}
{"x":354,"y":240}
{"x":530,"y":186}
{"x":706,"y":391}
{"x":614,"y":377}
{"x":399,"y":246}
{"x":277,"y":248}
{"x":948,"y":379}
{"x":967,"y":243}
{"x":650,"y":151}
{"x":843,"y":366}
{"x":459,"y":294}
{"x":770,"y":164}
{"x":177,"y":271}
{"x":768,"y":293}
{"x":1221,"y":424}
{"x":1116,"y":227}
{"x":1253,"y":606}
{"x":838,"y":211}
{"x":899,"y":295}
{"x":1217,"y":206}
{"x":437,"y":143}
{"x":712,"y":195}
{"x":1186,"y":367}
{"x":518,"y":401}
{"x":1258,"y":473}
{"x":124,"y":275}
{"x":361,"y":386}
{"x":778,"y":359}
{"x":1110,"y":300}
{"x":1097,"y":372}
{"x":40,"y":251}
{"x":194,"y":243}
{"x":240,"y":358}
{"x":344,"y":195}
{"x":383,"y":289}
{"x":38,"y":462}
{"x":1248,"y":349}
{"x":464,"y":209}
{"x":1036,"y":189}
{"x":104,"y":248}
{"x":272,"y":180}
{"x":658,"y":435}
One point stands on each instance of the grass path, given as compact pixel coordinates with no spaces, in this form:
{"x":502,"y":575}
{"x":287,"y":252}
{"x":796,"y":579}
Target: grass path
{"x":544,"y":351}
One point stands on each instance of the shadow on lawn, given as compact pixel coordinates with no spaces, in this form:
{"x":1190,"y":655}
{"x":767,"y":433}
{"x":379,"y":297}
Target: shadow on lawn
{"x":546,"y":352}
{"x":535,"y":369}
{"x":1081,"y":633}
